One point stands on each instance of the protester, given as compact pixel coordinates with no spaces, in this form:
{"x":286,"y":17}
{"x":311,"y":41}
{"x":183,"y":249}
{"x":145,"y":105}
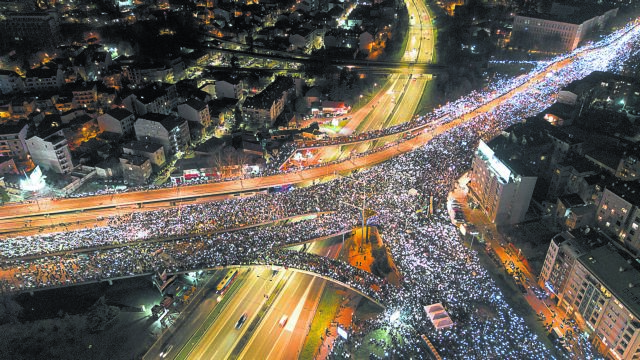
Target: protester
{"x":427,"y":250}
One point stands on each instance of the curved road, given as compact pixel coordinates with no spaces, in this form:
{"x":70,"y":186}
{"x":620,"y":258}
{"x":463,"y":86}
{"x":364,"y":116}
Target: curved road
{"x":127,"y":201}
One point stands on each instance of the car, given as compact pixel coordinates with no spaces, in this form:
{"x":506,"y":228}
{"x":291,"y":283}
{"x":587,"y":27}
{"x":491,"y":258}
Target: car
{"x":241,"y":321}
{"x":283,"y":320}
{"x":166,"y":351}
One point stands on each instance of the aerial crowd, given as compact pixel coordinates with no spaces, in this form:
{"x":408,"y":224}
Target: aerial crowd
{"x":427,"y":250}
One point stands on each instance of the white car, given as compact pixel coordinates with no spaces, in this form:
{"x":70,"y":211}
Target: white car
{"x":283,"y":320}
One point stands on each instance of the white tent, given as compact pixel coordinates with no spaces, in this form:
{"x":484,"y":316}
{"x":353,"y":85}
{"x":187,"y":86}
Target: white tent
{"x":438,"y":316}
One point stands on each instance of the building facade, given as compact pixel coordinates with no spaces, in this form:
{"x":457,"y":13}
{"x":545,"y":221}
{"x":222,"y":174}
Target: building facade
{"x":262,"y":109}
{"x":32,"y":27}
{"x":603,"y":292}
{"x":561,"y":29}
{"x":618,"y":214}
{"x":196,"y":111}
{"x":136,"y":170}
{"x":563,"y":251}
{"x":13,"y":138}
{"x":43,"y":79}
{"x":10,"y":82}
{"x":169,"y":131}
{"x":151,"y":151}
{"x":119,"y":121}
{"x":51,"y":153}
{"x":503,"y":194}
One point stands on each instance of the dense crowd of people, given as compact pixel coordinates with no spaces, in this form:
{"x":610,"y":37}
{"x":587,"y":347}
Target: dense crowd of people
{"x":427,"y":250}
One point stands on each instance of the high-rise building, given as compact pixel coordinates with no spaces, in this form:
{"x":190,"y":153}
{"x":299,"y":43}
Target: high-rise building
{"x":502,"y":187}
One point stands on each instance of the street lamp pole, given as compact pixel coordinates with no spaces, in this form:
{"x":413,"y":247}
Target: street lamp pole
{"x":365,"y":231}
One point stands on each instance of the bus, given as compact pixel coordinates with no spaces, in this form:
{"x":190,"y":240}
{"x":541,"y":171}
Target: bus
{"x":223,"y":285}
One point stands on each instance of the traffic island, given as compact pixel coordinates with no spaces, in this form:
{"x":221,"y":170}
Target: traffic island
{"x":367,"y":252}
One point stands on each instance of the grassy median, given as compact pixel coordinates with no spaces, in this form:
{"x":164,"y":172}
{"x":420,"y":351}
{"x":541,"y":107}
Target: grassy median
{"x":326,"y":312}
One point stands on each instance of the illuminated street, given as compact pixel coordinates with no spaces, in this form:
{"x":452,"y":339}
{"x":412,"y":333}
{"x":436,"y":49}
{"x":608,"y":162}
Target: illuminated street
{"x":297,"y":218}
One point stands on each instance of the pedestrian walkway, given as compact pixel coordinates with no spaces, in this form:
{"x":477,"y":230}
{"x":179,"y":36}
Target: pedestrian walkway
{"x":343,"y":319}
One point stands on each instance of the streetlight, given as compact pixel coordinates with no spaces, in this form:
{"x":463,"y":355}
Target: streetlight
{"x":364,"y":205}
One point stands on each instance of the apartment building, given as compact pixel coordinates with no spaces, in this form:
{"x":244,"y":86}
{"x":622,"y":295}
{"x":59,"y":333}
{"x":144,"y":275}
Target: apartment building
{"x":561,"y":256}
{"x":136,"y":170}
{"x":502,"y":187}
{"x":10,"y":82}
{"x":229,"y":86}
{"x":51,"y":152}
{"x":43,"y":79}
{"x":170,"y":131}
{"x":13,"y":136}
{"x":153,"y":152}
{"x":41,"y":28}
{"x":618,"y":213}
{"x":262,"y":109}
{"x":196,"y":111}
{"x":118,"y":120}
{"x":603,"y":292}
{"x":561,"y":29}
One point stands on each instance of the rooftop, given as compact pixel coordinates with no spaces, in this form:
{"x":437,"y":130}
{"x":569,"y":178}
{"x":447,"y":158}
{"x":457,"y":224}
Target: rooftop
{"x":571,"y":200}
{"x":196,"y":104}
{"x":572,"y":14}
{"x":561,"y":135}
{"x":13,"y":127}
{"x":41,"y":73}
{"x":119,"y":113}
{"x":266,"y":97}
{"x":134,"y":159}
{"x":628,"y":190}
{"x":618,"y":274}
{"x":142,"y":146}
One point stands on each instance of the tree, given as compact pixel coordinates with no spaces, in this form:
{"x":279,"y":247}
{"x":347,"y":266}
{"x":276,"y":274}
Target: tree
{"x":9,"y":310}
{"x":100,"y":315}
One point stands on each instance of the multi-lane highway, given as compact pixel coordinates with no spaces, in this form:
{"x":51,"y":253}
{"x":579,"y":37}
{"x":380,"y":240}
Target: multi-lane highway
{"x":283,"y":329}
{"x":396,"y":103}
{"x":293,"y":295}
{"x":118,"y":203}
{"x":223,"y":335}
{"x":399,"y":98}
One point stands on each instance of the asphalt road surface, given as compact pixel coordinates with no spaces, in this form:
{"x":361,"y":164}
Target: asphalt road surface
{"x":297,"y":301}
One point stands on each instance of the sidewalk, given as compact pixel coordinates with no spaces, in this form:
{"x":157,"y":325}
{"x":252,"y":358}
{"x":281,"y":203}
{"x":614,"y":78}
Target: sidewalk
{"x":343,"y":319}
{"x":553,"y":315}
